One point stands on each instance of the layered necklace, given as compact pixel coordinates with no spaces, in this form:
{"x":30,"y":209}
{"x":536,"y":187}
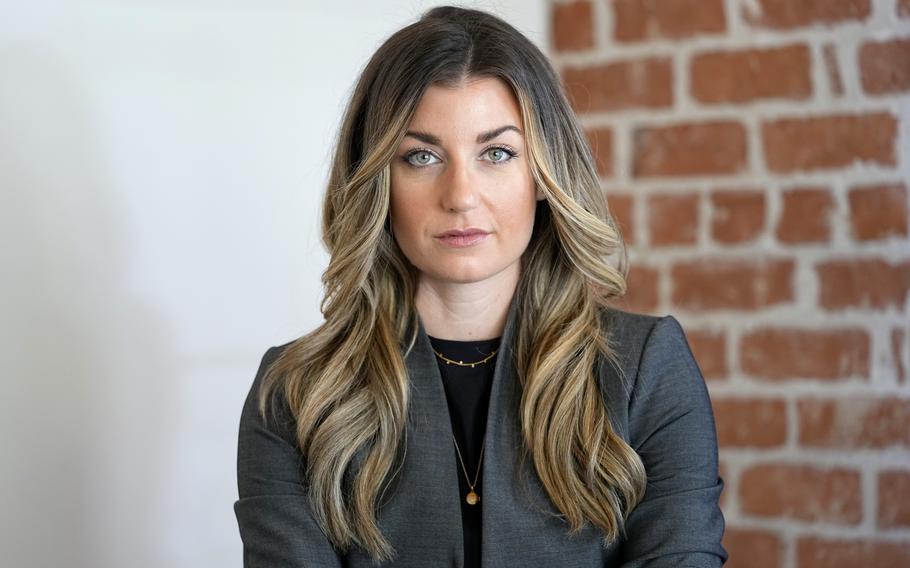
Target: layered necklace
{"x":472,"y":497}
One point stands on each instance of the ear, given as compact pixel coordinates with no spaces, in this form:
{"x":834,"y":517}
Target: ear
{"x":539,"y":194}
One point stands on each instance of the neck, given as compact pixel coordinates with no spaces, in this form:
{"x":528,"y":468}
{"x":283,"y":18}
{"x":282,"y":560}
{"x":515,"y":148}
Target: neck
{"x":465,"y":311}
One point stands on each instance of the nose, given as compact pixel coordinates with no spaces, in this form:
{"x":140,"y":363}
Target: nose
{"x":460,"y":186}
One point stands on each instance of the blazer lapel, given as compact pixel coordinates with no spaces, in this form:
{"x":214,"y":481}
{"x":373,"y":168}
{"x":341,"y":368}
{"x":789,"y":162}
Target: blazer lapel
{"x":421,"y":517}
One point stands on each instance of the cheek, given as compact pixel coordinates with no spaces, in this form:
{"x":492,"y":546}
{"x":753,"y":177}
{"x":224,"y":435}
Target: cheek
{"x":405,"y":211}
{"x":518,"y":211}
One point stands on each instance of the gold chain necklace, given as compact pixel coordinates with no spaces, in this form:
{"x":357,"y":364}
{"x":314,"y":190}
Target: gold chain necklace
{"x":472,"y":497}
{"x":462,"y":363}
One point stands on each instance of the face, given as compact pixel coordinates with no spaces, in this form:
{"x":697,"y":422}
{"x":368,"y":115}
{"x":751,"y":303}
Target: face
{"x":462,"y":166}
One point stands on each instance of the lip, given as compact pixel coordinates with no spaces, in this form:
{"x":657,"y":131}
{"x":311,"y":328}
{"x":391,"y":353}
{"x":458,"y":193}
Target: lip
{"x":461,"y":239}
{"x":470,"y":231}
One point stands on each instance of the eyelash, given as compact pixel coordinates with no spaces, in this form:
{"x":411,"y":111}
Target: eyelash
{"x":507,"y":149}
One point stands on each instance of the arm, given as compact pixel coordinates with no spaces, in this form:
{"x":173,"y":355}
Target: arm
{"x":276,"y":525}
{"x":679,"y":522}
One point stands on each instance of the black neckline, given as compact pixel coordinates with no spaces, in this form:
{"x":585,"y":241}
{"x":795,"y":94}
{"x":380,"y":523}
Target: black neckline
{"x":463,"y":342}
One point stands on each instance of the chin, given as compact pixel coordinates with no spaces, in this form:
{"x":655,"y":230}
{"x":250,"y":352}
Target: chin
{"x":462,"y":275}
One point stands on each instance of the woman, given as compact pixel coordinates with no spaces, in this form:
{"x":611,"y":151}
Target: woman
{"x":472,"y":398}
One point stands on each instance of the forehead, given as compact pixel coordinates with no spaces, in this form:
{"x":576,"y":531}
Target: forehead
{"x":476,"y":104}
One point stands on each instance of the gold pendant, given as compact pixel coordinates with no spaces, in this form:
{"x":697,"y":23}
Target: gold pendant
{"x":472,"y":498}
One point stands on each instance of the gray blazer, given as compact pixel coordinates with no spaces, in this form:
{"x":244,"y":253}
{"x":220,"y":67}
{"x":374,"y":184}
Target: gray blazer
{"x":663,"y":412}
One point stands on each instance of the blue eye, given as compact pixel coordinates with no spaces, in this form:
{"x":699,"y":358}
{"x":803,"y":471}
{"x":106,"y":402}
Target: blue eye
{"x":423,"y":158}
{"x":506,"y":154}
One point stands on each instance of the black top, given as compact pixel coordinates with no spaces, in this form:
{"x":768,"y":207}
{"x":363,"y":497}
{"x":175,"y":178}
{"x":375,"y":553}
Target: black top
{"x":468,"y":397}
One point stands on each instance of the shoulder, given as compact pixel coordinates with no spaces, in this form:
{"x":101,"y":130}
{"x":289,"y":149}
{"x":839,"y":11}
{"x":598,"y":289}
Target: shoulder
{"x":268,"y":359}
{"x":628,"y":329}
{"x":649,"y":343}
{"x":653,"y":366}
{"x":272,"y":353}
{"x":666,"y":381}
{"x":278,"y":420}
{"x":637,"y":338}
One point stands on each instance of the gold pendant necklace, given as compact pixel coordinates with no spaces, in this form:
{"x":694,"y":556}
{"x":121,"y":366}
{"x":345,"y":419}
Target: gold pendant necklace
{"x":472,"y":497}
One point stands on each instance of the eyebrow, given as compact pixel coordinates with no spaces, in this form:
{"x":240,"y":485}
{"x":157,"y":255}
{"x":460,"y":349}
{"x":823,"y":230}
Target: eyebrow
{"x":481,"y":138}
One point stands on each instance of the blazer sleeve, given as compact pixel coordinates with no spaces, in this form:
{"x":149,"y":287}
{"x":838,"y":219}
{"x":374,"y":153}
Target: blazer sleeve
{"x":274,"y":516}
{"x":679,"y":522}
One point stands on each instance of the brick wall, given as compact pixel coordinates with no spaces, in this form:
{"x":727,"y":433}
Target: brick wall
{"x":756,"y":153}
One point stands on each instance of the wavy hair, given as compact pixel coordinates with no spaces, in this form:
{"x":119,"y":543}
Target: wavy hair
{"x":346,"y":383}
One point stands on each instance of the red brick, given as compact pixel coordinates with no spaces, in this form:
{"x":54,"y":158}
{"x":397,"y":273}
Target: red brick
{"x":710,"y":350}
{"x":862,"y":283}
{"x":893,"y":499}
{"x":854,"y":422}
{"x":836,"y":83}
{"x":738,"y":215}
{"x":642,"y":284}
{"x":878,"y":211}
{"x":742,"y":76}
{"x":601,"y":142}
{"x":750,"y":422}
{"x":802,"y":492}
{"x":806,"y":216}
{"x":833,"y":141}
{"x":731,"y":284}
{"x":673,"y":219}
{"x":898,"y":349}
{"x":622,"y":207}
{"x":752,"y":548}
{"x":788,"y":353}
{"x":642,"y":83}
{"x":573,"y":26}
{"x":885,"y":66}
{"x":698,"y":148}
{"x":818,"y":552}
{"x":785,"y":14}
{"x":638,"y":20}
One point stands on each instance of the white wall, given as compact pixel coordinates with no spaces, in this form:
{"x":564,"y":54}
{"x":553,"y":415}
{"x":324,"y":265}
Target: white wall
{"x":161,"y":167}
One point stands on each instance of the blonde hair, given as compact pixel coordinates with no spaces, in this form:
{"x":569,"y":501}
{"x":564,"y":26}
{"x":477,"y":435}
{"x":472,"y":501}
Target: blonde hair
{"x":346,"y":382}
